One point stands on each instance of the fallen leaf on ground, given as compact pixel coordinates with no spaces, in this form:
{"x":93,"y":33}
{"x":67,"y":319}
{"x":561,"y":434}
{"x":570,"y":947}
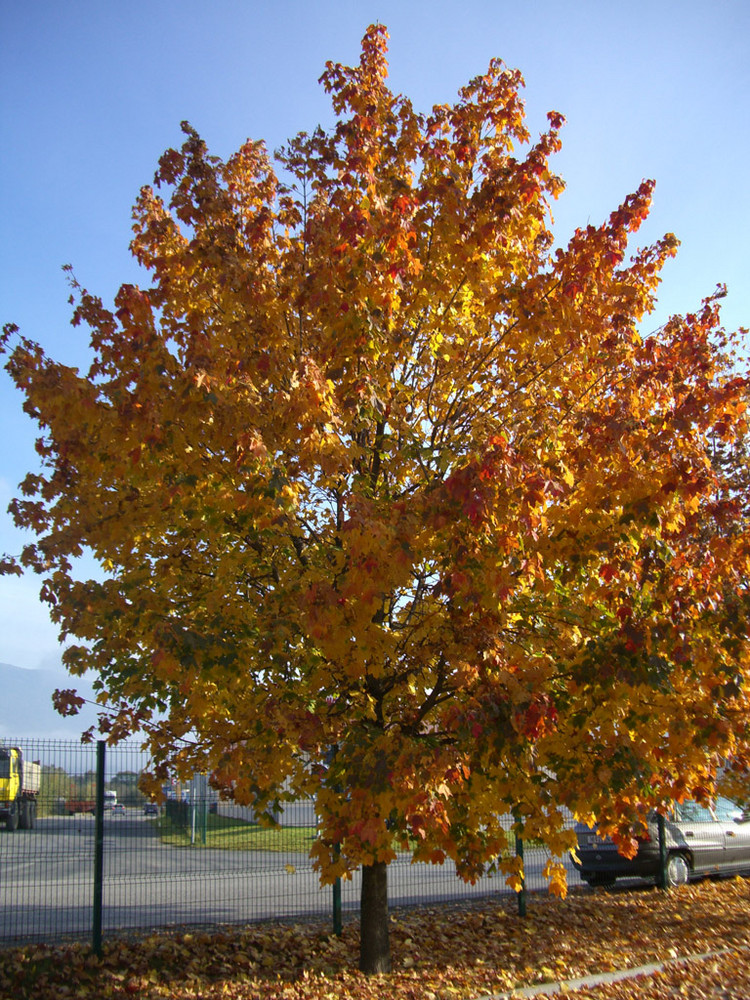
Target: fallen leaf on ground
{"x":449,"y":952}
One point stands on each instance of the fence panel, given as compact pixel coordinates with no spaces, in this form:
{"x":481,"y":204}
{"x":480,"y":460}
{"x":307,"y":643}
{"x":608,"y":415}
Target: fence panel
{"x":193,"y":861}
{"x":47,"y":872}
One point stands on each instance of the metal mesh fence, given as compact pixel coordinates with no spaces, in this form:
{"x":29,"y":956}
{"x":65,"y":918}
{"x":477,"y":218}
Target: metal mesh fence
{"x":194,"y":861}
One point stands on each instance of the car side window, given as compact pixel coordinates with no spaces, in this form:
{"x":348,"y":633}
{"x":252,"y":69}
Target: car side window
{"x":691,"y":812}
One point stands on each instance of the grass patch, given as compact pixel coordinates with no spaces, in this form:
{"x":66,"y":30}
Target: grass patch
{"x":231,"y":834}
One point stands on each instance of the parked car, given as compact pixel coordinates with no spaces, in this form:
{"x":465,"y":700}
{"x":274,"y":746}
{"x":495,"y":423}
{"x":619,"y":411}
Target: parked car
{"x":151,"y":809}
{"x":700,"y":841}
{"x":118,"y":809}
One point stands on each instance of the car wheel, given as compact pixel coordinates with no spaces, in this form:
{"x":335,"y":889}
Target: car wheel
{"x":678,"y":870}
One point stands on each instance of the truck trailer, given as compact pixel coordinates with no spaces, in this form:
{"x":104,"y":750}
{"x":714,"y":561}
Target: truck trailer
{"x":19,"y":789}
{"x":73,"y":806}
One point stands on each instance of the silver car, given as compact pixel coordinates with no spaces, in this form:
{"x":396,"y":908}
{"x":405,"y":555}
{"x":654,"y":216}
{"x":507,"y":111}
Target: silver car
{"x":699,"y":841}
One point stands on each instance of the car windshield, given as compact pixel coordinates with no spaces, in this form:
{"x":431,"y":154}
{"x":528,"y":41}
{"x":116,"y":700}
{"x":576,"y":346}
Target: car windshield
{"x":727,"y":810}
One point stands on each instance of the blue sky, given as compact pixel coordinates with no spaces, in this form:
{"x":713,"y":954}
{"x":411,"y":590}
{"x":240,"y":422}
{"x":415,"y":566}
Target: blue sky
{"x":93,"y":92}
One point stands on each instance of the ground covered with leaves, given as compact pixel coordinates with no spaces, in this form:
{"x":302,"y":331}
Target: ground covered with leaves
{"x":439,"y":953}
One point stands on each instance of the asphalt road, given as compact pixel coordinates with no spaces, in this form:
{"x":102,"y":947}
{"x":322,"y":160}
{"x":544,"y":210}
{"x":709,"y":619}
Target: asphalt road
{"x":47,"y":881}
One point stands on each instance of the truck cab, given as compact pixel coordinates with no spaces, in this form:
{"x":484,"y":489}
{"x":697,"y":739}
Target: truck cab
{"x":19,"y":788}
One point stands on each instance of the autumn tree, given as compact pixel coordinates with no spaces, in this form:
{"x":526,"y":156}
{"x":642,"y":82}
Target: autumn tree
{"x":396,"y":505}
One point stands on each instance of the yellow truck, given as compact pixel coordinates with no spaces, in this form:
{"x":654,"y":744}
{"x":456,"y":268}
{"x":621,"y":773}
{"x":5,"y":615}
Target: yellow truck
{"x":19,"y":788}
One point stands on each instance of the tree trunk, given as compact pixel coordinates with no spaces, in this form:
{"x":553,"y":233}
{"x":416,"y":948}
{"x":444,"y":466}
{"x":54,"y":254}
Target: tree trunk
{"x":375,"y":944}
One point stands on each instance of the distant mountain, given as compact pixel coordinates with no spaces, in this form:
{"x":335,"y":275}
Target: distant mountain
{"x":26,"y":708}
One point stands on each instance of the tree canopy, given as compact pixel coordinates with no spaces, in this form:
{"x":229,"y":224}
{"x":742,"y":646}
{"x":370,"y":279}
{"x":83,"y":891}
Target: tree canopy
{"x":397,"y":505}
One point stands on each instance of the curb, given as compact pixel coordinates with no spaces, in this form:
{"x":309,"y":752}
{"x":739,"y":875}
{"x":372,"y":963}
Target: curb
{"x":605,"y":978}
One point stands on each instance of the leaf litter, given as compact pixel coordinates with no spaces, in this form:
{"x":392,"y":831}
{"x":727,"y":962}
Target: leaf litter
{"x":475,"y":950}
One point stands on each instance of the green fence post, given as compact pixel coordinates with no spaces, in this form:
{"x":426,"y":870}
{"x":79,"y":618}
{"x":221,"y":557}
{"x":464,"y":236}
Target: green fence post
{"x":662,"y":827}
{"x":99,"y":849}
{"x":522,"y":892}
{"x":337,"y":921}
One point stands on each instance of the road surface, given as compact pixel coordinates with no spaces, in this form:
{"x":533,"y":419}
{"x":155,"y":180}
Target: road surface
{"x":47,"y":881}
